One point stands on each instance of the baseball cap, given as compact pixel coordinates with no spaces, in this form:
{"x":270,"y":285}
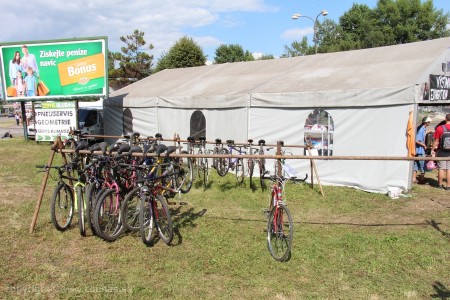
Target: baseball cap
{"x":426,"y":119}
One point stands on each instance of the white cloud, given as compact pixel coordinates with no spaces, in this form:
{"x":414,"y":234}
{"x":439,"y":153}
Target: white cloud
{"x":296,"y":33}
{"x":163,"y":22}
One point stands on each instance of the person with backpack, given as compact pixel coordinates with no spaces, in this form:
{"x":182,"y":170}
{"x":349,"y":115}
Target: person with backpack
{"x":441,"y":148}
{"x":419,"y":165}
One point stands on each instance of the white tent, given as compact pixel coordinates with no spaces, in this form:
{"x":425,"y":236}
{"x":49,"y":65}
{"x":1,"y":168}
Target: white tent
{"x":366,"y":95}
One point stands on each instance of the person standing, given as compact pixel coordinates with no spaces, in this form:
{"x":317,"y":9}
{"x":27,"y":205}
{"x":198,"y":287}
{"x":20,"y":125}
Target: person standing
{"x":30,"y":83}
{"x":419,"y":165}
{"x":14,"y":68}
{"x":17,"y":118}
{"x":441,"y":148}
{"x":29,"y":61}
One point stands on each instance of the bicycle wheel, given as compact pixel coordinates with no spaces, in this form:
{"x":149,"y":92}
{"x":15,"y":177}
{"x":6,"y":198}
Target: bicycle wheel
{"x":250,"y":167}
{"x":185,"y":175}
{"x":280,"y":232}
{"x":223,"y":163}
{"x":215,"y":161}
{"x":205,"y":172}
{"x":106,"y":218}
{"x":262,"y":172}
{"x":162,"y":219}
{"x":146,"y":219}
{"x":82,"y":215}
{"x":92,"y":192}
{"x":70,"y":144}
{"x":129,"y":210}
{"x":240,"y":170}
{"x":61,"y":209}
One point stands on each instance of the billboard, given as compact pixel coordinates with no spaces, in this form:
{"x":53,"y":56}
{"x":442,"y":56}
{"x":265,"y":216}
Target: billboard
{"x":54,"y":119}
{"x":53,"y":70}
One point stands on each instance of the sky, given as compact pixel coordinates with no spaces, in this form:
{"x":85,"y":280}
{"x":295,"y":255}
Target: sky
{"x":259,"y":26}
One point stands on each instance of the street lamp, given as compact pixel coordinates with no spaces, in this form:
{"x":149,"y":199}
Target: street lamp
{"x":323,"y":13}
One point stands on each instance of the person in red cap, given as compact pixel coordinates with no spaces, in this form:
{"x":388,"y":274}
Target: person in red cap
{"x":441,"y":148}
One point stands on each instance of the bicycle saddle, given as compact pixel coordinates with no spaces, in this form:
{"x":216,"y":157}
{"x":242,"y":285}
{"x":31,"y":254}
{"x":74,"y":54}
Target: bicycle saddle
{"x":261,"y":142}
{"x":191,"y":139}
{"x":95,"y":147}
{"x":149,"y":148}
{"x":135,"y":149}
{"x":114,"y":148}
{"x":218,"y":141}
{"x":171,"y":149}
{"x":158,"y":136}
{"x":250,"y":141}
{"x":82,"y":145}
{"x":230,"y":142}
{"x":202,"y":138}
{"x":160,"y":149}
{"x":123,"y":148}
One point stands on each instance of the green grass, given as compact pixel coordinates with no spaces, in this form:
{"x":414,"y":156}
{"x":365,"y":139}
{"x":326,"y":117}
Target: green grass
{"x":347,"y":245}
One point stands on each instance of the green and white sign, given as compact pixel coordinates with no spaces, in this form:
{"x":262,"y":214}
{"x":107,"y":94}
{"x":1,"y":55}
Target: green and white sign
{"x":55,"y":119}
{"x":54,"y":70}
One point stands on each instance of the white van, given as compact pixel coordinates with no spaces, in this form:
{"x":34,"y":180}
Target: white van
{"x":90,"y":120}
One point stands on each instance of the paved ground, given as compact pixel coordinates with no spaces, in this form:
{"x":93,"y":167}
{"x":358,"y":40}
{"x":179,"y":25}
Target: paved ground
{"x":9,"y":124}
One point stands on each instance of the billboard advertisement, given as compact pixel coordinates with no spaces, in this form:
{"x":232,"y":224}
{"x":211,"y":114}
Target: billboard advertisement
{"x":53,"y":70}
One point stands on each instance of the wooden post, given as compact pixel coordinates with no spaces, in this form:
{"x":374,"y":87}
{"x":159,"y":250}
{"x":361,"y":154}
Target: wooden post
{"x":44,"y":184}
{"x":279,"y":146}
{"x":315,"y":172}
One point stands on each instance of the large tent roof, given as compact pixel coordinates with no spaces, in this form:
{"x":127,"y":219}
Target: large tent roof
{"x":369,"y":77}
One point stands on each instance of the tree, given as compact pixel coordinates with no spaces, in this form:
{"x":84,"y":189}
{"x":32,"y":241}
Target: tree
{"x":298,"y":48}
{"x":184,"y":53}
{"x":390,"y":22}
{"x":133,"y":62}
{"x":231,"y":53}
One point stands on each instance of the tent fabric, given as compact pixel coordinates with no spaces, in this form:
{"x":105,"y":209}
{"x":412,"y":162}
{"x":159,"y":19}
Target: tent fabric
{"x":368,"y":93}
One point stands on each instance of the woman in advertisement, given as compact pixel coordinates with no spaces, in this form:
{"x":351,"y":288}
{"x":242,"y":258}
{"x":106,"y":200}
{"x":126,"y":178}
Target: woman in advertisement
{"x":14,"y":68}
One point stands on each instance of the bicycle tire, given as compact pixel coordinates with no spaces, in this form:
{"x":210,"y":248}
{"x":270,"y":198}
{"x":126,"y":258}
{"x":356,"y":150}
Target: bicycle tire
{"x":239,"y":170}
{"x":81,"y":210}
{"x":186,"y":174}
{"x":130,"y":209}
{"x":146,"y":221}
{"x":92,"y":192}
{"x":62,"y":206}
{"x":106,"y":218}
{"x":205,"y":172}
{"x":215,"y":161}
{"x":223,"y":163}
{"x":262,"y":172}
{"x":250,"y":167}
{"x":70,"y":144}
{"x":280,"y":233}
{"x":163,"y":220}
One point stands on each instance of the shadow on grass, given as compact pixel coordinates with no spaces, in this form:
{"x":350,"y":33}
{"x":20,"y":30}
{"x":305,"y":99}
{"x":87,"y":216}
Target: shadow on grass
{"x":363,"y":224}
{"x":183,"y":219}
{"x":436,"y":226}
{"x":441,"y":291}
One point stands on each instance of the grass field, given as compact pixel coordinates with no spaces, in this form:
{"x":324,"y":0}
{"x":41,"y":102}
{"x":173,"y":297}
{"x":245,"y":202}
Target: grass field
{"x":347,"y":245}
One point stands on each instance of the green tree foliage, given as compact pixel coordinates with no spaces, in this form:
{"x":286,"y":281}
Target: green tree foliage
{"x":133,"y":62}
{"x":231,"y":53}
{"x":185,"y":53}
{"x":391,"y":22}
{"x":298,"y":48}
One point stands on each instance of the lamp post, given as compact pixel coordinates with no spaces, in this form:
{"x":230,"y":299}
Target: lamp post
{"x":323,"y":13}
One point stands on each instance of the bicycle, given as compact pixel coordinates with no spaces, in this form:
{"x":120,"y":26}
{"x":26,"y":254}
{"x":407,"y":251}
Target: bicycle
{"x":203,"y":165}
{"x":236,"y":164}
{"x":280,"y":226}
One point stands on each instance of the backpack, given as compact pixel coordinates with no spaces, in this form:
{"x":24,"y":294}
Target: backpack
{"x":444,"y":142}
